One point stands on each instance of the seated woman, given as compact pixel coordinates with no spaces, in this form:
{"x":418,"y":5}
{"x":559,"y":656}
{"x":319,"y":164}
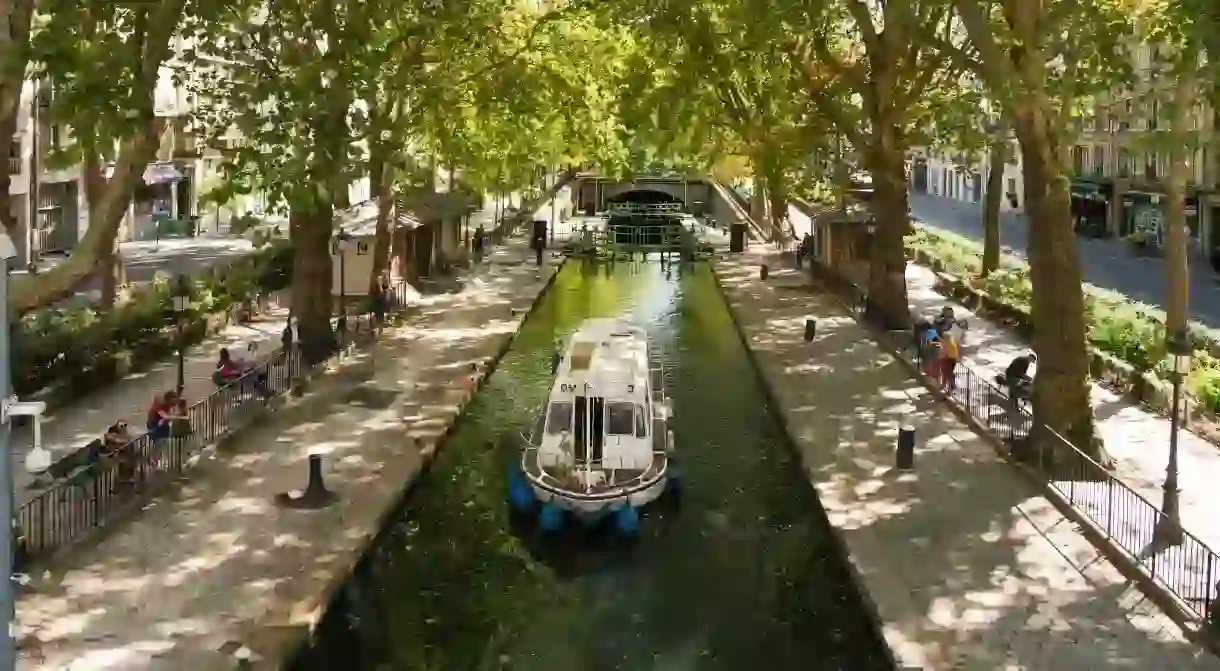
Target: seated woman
{"x":229,"y":370}
{"x":118,"y":440}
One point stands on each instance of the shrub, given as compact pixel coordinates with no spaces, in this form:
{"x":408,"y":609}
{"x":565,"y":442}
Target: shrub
{"x":74,"y":350}
{"x":1129,"y":331}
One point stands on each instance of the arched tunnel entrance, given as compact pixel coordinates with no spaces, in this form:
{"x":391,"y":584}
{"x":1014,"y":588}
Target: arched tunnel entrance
{"x":645,"y":197}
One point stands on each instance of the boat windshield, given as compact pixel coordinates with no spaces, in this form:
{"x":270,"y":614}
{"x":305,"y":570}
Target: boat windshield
{"x":559,"y":417}
{"x":620,"y":419}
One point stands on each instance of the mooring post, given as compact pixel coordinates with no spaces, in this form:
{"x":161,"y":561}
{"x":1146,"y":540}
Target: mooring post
{"x":905,"y":455}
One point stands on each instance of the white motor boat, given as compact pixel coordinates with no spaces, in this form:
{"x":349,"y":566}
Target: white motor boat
{"x":602,"y":445}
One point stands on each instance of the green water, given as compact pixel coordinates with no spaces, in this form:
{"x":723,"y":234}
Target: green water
{"x":742,"y":574}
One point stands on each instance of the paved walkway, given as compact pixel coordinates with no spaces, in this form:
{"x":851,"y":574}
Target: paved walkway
{"x":1138,"y":438}
{"x":217,"y":565}
{"x":969,"y":566}
{"x":75,"y":425}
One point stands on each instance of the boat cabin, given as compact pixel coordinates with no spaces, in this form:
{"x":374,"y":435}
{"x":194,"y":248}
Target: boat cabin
{"x":600,"y":408}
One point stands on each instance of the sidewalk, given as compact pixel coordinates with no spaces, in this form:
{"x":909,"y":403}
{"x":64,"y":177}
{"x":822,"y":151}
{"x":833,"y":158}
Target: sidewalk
{"x":1135,"y":436}
{"x":218,"y":565}
{"x":968,"y":565}
{"x":75,"y":425}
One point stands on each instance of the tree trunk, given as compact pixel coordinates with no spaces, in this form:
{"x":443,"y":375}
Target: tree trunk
{"x":312,"y":298}
{"x":1061,"y":386}
{"x":105,"y":216}
{"x":382,"y":177}
{"x":108,"y":266}
{"x":777,"y":200}
{"x":887,"y":281}
{"x":991,"y":206}
{"x":1176,"y":234}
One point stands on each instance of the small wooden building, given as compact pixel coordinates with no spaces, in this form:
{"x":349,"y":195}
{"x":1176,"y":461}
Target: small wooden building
{"x":842,"y":240}
{"x":430,"y":232}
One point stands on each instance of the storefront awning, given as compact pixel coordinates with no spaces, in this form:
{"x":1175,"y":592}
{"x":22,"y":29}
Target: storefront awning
{"x":1085,"y":188}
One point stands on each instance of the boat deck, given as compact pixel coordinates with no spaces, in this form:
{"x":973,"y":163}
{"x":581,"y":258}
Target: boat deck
{"x":623,"y":478}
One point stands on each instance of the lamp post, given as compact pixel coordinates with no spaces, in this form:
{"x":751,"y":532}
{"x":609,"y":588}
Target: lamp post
{"x":182,"y":298}
{"x":341,"y":241}
{"x":1169,"y":526}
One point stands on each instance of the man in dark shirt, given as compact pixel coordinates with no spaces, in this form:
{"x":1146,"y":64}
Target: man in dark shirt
{"x":1018,"y":369}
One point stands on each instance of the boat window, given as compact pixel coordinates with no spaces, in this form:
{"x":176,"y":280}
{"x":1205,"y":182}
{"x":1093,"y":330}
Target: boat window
{"x":620,"y":419}
{"x":559,"y":417}
{"x":641,"y":422}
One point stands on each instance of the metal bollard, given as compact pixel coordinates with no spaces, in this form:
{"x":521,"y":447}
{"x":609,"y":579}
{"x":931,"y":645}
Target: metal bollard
{"x":763,"y":272}
{"x":905,"y":455}
{"x":811,"y":329}
{"x":315,"y":496}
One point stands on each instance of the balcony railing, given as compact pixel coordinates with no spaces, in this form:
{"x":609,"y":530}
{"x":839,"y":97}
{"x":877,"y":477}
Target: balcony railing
{"x":14,"y":165}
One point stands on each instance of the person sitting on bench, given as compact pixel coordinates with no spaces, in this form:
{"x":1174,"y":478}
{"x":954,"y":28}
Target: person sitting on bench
{"x":230,"y":370}
{"x":118,"y":445}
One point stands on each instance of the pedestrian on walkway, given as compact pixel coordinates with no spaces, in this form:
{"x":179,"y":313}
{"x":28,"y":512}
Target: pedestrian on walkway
{"x":950,"y":352}
{"x":480,"y":236}
{"x":379,"y":303}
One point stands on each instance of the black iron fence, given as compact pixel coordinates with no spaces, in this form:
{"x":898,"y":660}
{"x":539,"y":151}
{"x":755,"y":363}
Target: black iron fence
{"x":108,"y":482}
{"x":1189,"y":569}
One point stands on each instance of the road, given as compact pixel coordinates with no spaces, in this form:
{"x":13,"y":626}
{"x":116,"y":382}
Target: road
{"x":143,"y":260}
{"x":1105,"y":263}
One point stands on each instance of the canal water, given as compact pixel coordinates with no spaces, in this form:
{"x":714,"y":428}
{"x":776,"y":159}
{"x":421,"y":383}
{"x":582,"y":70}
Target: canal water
{"x":740,"y":572}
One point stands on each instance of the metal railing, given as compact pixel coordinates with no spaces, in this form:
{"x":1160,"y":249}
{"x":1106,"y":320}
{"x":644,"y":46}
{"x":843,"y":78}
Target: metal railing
{"x":1189,"y":570}
{"x":102,"y":489}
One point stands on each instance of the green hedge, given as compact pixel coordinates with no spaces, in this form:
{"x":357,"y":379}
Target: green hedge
{"x":1131,"y":332}
{"x":70,"y":351}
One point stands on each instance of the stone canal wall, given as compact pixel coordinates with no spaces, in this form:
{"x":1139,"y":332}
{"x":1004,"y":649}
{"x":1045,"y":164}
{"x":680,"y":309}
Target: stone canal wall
{"x":967,"y":565}
{"x":217,"y":572}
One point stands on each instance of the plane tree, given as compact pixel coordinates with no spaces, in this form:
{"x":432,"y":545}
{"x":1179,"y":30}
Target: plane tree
{"x":865,"y":69}
{"x":103,"y":61}
{"x":1042,"y":63}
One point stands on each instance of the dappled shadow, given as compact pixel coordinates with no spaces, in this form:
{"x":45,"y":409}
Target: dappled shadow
{"x":1137,"y":438}
{"x":215,"y":565}
{"x":72,"y":427}
{"x":969,"y":565}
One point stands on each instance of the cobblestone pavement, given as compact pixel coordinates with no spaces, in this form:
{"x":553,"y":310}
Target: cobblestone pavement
{"x":1136,"y":436}
{"x":970,"y":567}
{"x":217,"y":565}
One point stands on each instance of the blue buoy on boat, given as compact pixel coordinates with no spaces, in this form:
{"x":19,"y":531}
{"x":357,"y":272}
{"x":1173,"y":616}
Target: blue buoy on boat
{"x":550,"y":519}
{"x":627,"y":521}
{"x":520,"y":494}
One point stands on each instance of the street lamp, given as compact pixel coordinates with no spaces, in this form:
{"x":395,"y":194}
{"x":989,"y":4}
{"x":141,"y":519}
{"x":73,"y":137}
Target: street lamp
{"x":182,"y":300}
{"x":1169,"y":526}
{"x":342,"y":238}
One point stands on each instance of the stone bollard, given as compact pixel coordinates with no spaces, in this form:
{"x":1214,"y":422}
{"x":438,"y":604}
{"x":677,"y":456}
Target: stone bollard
{"x":315,"y":496}
{"x":905,"y":455}
{"x":763,"y":271}
{"x":811,"y":329}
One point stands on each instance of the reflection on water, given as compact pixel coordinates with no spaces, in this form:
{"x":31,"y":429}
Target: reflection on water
{"x":743,"y":574}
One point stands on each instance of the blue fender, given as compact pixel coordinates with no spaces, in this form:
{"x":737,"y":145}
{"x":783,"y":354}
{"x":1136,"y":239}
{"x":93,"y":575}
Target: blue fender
{"x":627,"y":521}
{"x":520,"y":494}
{"x":550,"y":519}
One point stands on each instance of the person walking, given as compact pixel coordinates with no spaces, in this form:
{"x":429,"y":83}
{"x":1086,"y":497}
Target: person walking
{"x":950,"y":353}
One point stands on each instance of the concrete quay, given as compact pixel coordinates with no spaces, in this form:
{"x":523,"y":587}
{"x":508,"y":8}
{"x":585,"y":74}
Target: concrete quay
{"x":215,"y":571}
{"x":967,"y":564}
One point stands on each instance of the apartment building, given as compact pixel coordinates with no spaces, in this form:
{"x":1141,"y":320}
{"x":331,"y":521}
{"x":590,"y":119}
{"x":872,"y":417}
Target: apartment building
{"x":962,"y":176}
{"x":1120,"y":159}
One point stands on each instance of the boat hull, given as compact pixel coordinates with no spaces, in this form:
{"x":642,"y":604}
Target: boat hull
{"x":592,"y":509}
